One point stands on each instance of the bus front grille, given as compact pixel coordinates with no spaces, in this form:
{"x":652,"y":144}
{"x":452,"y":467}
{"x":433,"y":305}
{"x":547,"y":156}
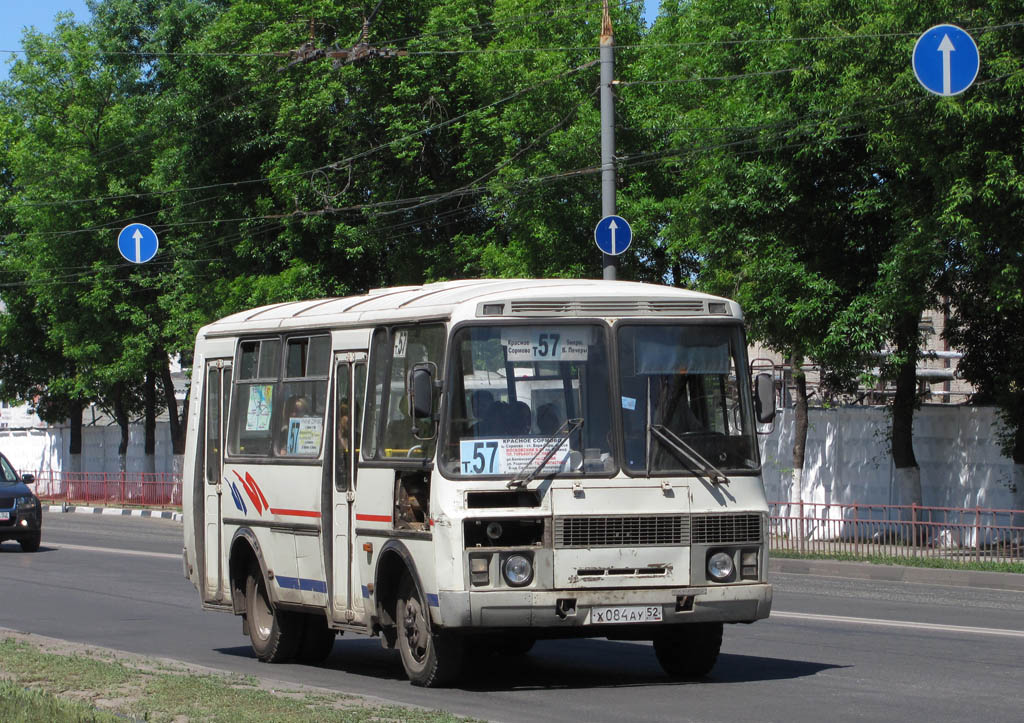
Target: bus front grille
{"x":655,"y":530}
{"x":718,"y":529}
{"x":622,"y":530}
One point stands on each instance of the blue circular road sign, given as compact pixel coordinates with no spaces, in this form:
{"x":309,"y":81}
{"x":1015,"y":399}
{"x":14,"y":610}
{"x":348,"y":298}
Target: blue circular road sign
{"x":613,"y":235}
{"x":138,"y":243}
{"x":945,"y":60}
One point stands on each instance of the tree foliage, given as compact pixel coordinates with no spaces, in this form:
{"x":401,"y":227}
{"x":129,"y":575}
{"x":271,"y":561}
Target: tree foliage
{"x":779,"y":153}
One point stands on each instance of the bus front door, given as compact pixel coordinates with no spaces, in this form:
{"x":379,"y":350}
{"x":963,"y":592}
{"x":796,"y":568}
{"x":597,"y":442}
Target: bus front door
{"x":346,"y":600}
{"x":216,"y":393}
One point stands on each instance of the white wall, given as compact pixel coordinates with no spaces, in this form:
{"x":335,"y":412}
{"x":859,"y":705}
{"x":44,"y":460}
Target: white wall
{"x":847,"y":458}
{"x":46,"y":449}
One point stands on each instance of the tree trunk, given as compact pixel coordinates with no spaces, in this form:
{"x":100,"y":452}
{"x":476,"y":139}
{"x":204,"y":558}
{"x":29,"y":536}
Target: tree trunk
{"x":149,"y":464}
{"x":1018,"y":482}
{"x":71,"y":474}
{"x":121,"y":416}
{"x":906,"y":473}
{"x":796,"y":491}
{"x":176,"y":421}
{"x":799,"y":413}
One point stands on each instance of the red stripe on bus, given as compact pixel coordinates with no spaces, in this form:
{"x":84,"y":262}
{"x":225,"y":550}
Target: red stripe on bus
{"x":374,"y":518}
{"x":295,"y":513}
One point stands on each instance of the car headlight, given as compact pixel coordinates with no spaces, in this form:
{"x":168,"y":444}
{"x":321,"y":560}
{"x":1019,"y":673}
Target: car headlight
{"x":720,"y":566}
{"x":517,"y":570}
{"x":25,"y":502}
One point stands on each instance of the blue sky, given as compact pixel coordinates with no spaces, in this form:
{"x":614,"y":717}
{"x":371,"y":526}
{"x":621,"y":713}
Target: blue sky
{"x":15,"y":15}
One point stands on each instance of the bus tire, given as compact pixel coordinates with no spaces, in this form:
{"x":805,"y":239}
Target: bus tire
{"x":275,"y":634}
{"x":431,"y":659}
{"x":689,"y":651}
{"x":317,"y":640}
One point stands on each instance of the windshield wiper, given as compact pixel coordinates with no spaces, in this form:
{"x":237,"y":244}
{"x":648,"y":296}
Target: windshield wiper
{"x":685,"y":451}
{"x":546,"y":452}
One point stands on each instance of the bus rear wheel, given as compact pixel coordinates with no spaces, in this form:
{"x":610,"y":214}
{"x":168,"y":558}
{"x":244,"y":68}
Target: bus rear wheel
{"x":275,"y":634}
{"x":689,"y":651}
{"x":431,"y":659}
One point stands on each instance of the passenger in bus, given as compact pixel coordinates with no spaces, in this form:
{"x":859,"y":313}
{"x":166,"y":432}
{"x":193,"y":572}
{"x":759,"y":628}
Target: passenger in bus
{"x":520,"y":419}
{"x":548,"y":419}
{"x":295,"y":407}
{"x":482,"y":401}
{"x":343,"y":428}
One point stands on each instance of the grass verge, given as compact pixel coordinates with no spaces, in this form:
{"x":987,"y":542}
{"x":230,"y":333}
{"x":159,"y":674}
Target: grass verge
{"x":54,"y":681}
{"x":932,"y":562}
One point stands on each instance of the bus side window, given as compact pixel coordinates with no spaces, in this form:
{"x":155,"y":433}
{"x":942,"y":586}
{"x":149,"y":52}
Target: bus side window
{"x":304,"y":390}
{"x":342,"y":440}
{"x":393,"y":356}
{"x":253,"y":397}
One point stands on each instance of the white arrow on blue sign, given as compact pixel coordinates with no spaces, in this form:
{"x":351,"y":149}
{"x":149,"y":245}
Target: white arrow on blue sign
{"x":138,"y":243}
{"x":945,"y":60}
{"x":613,"y":235}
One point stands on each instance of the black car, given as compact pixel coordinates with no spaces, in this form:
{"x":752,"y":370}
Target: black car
{"x":21,"y":515}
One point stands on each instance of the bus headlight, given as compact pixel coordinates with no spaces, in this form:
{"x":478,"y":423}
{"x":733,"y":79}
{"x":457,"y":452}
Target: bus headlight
{"x":517,"y":570}
{"x":720,"y":566}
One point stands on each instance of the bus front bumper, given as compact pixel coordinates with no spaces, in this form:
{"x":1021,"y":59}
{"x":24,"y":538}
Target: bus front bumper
{"x":578,"y":609}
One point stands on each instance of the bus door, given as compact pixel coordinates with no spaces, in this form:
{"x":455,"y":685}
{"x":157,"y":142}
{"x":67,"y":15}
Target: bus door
{"x":216,"y":392}
{"x":346,"y":600}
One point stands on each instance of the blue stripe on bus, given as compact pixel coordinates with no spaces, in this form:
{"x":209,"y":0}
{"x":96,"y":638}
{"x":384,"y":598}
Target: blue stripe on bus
{"x":432,"y":600}
{"x":301,"y":583}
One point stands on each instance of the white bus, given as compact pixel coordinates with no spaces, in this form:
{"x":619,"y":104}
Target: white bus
{"x":465,"y":467}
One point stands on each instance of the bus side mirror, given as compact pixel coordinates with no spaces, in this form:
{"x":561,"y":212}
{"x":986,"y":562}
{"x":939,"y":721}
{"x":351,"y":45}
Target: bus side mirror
{"x":421,"y":390}
{"x":764,"y":398}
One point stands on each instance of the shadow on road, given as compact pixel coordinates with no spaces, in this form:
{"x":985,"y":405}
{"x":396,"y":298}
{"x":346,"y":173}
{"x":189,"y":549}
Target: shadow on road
{"x":12,"y":546}
{"x":567,"y":664}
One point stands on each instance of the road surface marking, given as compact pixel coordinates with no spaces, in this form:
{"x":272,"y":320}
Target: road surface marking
{"x":937,"y":627}
{"x":113,"y":550}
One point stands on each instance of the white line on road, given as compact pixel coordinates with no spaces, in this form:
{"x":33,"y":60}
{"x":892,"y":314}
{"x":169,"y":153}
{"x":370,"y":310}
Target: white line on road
{"x":114,"y":550}
{"x":937,"y":627}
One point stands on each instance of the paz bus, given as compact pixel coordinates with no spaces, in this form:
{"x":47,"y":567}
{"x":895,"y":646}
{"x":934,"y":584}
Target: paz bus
{"x":463,"y":468}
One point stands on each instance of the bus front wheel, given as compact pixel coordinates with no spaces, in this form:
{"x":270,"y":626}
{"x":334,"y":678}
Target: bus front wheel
{"x":275,"y":634}
{"x":431,"y":659}
{"x":689,"y":651}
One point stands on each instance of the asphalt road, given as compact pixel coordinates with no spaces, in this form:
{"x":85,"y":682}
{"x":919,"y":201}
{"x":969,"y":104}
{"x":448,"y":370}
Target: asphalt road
{"x":834,"y":649}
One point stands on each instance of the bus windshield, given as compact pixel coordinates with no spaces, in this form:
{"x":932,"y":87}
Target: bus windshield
{"x":529,"y":400}
{"x":684,"y":410}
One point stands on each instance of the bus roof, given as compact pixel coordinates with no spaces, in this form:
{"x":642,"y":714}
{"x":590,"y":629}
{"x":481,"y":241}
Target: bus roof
{"x":442,"y":300}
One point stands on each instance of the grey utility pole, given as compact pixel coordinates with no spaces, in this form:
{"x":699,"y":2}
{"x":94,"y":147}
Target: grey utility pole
{"x":611,"y":263}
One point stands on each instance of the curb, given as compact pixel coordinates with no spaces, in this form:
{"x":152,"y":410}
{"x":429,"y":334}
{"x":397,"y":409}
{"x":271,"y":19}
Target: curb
{"x":120,"y":512}
{"x":898,"y":573}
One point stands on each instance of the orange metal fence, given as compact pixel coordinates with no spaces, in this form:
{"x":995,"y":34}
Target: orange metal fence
{"x":951,"y":533}
{"x":133,"y":489}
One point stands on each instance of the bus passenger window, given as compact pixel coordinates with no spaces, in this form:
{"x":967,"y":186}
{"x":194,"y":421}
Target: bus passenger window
{"x":277,"y":411}
{"x":304,"y":390}
{"x":254,"y":394}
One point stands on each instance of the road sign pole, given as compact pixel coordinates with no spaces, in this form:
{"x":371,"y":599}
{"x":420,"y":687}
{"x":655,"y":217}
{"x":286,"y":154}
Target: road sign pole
{"x":611,"y":262}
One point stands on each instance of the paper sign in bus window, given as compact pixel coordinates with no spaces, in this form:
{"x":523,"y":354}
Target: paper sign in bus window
{"x":257,"y":417}
{"x":546,"y":343}
{"x":507,"y":456}
{"x":304,"y":435}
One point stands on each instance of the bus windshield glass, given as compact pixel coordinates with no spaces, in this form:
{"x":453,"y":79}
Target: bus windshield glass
{"x":529,"y":400}
{"x":683,"y":408}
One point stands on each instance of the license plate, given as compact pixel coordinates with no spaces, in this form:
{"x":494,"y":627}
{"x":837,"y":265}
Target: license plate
{"x":626,"y":614}
{"x":5,"y":515}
